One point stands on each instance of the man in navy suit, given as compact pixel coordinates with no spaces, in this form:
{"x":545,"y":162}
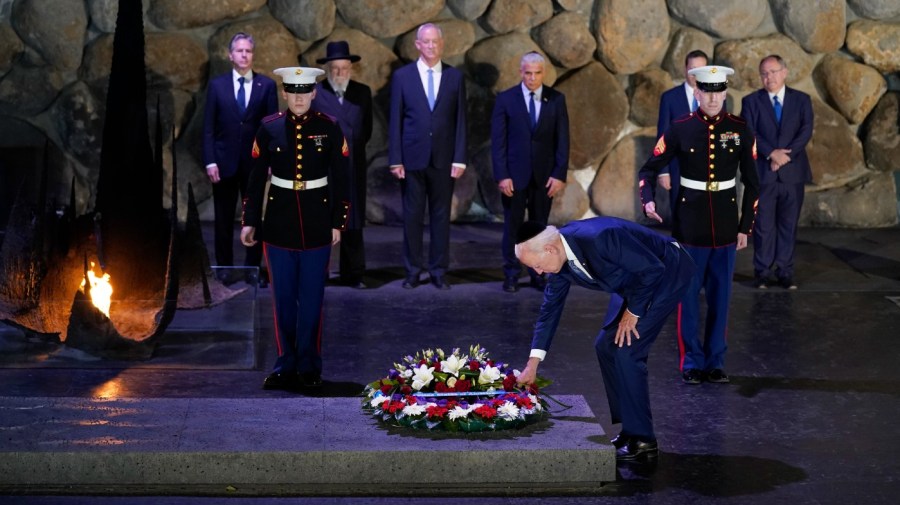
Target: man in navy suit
{"x":350,"y":103}
{"x":674,"y":103}
{"x":530,"y":154}
{"x":236,"y":102}
{"x":427,"y":151}
{"x":782,"y":119}
{"x":646,"y":275}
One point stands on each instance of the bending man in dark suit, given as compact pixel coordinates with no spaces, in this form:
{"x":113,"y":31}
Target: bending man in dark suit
{"x":236,"y":102}
{"x":646,"y":275}
{"x":427,"y":151}
{"x":350,"y":103}
{"x":782,"y":132}
{"x":530,"y":154}
{"x":674,"y":103}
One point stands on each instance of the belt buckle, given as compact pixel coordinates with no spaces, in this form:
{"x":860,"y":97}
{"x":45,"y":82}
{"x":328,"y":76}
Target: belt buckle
{"x":299,"y":185}
{"x":712,"y":185}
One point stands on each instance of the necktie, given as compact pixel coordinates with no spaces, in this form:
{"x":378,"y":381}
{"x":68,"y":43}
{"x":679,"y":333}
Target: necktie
{"x":532,"y":112}
{"x":431,"y":89}
{"x":340,"y":95}
{"x":777,"y":105}
{"x":694,"y":105}
{"x":241,"y":97}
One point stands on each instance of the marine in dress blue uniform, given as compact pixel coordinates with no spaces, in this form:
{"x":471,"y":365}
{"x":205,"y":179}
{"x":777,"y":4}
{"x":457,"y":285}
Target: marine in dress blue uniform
{"x":711,"y":145}
{"x":306,"y":208}
{"x":646,"y":275}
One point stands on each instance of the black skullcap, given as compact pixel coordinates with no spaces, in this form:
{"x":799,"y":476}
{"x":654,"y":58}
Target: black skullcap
{"x":529,"y":230}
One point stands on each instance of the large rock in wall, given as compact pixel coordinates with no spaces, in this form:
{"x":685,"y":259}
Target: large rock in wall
{"x":612,"y":59}
{"x":851,"y":87}
{"x":598,"y":110}
{"x":631,"y":34}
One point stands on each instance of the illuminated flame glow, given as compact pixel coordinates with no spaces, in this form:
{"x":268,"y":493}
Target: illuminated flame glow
{"x":101,"y":290}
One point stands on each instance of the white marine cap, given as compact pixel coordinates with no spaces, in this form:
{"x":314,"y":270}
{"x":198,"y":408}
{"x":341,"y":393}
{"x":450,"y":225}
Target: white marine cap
{"x":298,"y":79}
{"x":711,"y":77}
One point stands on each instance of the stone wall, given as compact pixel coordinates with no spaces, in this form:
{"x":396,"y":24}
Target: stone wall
{"x":612,"y":58}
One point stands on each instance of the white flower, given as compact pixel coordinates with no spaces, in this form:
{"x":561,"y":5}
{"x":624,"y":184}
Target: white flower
{"x":453,"y":365}
{"x":508,"y":411}
{"x":458,"y":413}
{"x":535,"y":402}
{"x":378,"y":400}
{"x":516,"y":373}
{"x":423,"y":376}
{"x":407,"y":373}
{"x":413,"y":410}
{"x":489,"y":374}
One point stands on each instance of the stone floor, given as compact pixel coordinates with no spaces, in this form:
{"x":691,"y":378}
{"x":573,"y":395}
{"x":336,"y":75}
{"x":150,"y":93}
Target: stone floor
{"x":809,"y":417}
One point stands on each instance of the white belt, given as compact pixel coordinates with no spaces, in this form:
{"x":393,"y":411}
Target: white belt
{"x":299,"y":185}
{"x":707,"y":185}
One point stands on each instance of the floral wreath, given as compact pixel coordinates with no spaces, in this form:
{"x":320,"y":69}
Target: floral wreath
{"x":457,"y":392}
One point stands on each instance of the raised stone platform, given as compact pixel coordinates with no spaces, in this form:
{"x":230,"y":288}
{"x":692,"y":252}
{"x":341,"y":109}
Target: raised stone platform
{"x":274,"y":446}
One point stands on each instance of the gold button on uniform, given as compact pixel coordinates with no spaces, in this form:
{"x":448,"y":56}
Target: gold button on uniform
{"x":711,"y":136}
{"x":712,"y":156}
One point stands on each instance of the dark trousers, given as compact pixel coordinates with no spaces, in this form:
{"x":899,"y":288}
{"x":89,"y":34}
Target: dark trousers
{"x":624,"y":368}
{"x":436,"y":186}
{"x":775,"y":229}
{"x":715,"y":270}
{"x":352,"y":256}
{"x":225,"y":199}
{"x":534,"y":199}
{"x":298,"y":288}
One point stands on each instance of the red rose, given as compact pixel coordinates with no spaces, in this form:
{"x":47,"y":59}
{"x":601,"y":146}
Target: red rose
{"x":440,"y":387}
{"x":393,"y":406}
{"x":463,"y":385}
{"x":435,"y":412}
{"x":386,"y":389}
{"x":411,"y":400}
{"x":405,"y":390}
{"x":486,"y":411}
{"x":401,"y":380}
{"x":474,"y":365}
{"x":509,"y":383}
{"x":524,"y":402}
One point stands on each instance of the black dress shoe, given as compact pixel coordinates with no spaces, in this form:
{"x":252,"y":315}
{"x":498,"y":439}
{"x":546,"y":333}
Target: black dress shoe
{"x":620,"y":440}
{"x":691,"y":376}
{"x":281,"y":380}
{"x":511,"y":285}
{"x":439,"y":282}
{"x":718,"y":376}
{"x":410,"y":282}
{"x":760,"y":283}
{"x":787,"y":283}
{"x":311,"y":380}
{"x":635,"y":450}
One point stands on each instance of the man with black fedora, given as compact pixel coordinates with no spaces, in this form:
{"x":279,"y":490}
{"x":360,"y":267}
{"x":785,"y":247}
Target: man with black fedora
{"x":350,"y":103}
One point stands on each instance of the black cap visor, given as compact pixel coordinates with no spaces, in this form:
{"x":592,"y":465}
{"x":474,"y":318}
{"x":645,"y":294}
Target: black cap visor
{"x":298,"y":88}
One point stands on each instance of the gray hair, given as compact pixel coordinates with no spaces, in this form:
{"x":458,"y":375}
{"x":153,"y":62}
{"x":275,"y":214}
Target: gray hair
{"x":427,"y":26}
{"x":531,"y":57}
{"x":241,"y":36}
{"x":537,"y":243}
{"x":775,"y":57}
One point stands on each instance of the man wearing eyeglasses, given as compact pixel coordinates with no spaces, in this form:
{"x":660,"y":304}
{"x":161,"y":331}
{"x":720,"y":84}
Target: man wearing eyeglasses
{"x":711,"y":146}
{"x":782,"y":119}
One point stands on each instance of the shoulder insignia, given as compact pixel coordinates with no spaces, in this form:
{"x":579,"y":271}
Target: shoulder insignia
{"x":273,"y":117}
{"x":329,"y":117}
{"x":660,"y":146}
{"x":737,"y":119}
{"x":255,"y":151}
{"x":346,"y":150}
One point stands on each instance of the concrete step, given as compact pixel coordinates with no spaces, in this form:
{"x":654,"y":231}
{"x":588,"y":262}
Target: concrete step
{"x":284,"y":445}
